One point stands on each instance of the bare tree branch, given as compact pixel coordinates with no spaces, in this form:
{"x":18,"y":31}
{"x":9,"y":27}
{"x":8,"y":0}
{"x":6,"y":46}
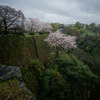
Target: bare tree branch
{"x":11,"y":18}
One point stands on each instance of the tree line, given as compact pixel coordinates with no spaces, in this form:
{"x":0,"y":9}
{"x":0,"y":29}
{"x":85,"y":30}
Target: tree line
{"x":14,"y":21}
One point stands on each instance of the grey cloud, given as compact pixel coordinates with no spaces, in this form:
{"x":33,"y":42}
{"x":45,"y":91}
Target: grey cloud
{"x":63,"y":11}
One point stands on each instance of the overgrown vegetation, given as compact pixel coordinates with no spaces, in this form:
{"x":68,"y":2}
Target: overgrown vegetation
{"x":19,"y":50}
{"x":9,"y":90}
{"x":60,"y":79}
{"x":90,"y":44}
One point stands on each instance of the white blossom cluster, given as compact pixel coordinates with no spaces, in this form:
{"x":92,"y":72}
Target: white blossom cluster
{"x":35,"y":25}
{"x":59,"y":40}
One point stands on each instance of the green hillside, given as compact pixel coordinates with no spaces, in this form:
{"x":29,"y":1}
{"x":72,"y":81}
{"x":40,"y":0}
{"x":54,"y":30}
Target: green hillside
{"x":19,"y":50}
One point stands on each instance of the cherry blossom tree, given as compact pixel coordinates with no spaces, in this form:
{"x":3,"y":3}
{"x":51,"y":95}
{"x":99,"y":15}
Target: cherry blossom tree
{"x":60,"y":42}
{"x":35,"y":25}
{"x":32,"y":25}
{"x":45,"y":27}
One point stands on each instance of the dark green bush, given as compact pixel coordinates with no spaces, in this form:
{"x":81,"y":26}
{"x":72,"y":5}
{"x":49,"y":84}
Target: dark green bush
{"x":32,"y":75}
{"x":52,"y":86}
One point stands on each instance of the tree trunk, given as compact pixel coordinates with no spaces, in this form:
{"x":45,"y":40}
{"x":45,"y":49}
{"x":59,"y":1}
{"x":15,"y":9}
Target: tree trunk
{"x":6,"y":28}
{"x":35,"y":47}
{"x":84,"y":96}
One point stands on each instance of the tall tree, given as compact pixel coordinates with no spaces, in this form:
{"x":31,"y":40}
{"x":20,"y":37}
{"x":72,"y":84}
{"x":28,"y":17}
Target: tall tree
{"x":54,"y":26}
{"x":10,"y":18}
{"x":92,"y":26}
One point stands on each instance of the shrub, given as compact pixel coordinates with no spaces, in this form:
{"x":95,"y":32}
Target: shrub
{"x":52,"y":85}
{"x":9,"y":90}
{"x":32,"y":75}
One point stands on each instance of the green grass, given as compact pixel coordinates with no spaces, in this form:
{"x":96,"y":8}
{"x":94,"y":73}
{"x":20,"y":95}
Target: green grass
{"x":65,"y":56}
{"x":18,"y":50}
{"x":27,"y":35}
{"x":43,"y":49}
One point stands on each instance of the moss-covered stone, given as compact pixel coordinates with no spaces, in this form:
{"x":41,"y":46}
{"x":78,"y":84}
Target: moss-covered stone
{"x":9,"y":72}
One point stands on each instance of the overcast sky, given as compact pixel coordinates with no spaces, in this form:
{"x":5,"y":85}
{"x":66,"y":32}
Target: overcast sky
{"x":62,"y":11}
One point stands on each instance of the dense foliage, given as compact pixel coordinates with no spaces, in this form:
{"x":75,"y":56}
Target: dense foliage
{"x":90,"y":44}
{"x":60,"y":80}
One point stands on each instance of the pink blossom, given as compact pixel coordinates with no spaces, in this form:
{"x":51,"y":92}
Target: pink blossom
{"x":35,"y":25}
{"x":62,"y":41}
